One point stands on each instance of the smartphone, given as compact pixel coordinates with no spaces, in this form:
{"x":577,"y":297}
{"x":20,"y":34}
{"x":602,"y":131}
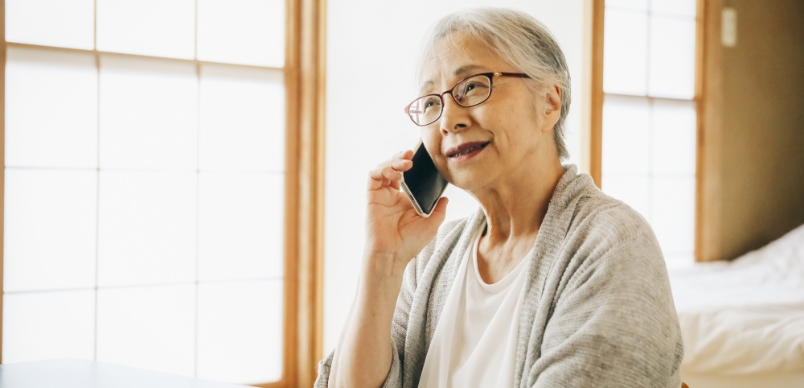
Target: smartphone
{"x":423,"y":184}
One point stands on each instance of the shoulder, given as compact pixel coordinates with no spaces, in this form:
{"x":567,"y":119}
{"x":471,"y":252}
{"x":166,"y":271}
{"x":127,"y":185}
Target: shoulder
{"x":603,"y":221}
{"x":611,"y":250}
{"x":606,"y":236}
{"x":587,"y":215}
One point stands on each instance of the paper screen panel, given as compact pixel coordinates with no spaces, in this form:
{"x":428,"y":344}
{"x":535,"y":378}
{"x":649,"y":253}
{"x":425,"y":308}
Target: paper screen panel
{"x":626,"y":137}
{"x":147,"y":228}
{"x":673,"y":217}
{"x":242,"y":119}
{"x":250,"y":32}
{"x":150,"y":328}
{"x":633,"y":189}
{"x":638,"y":5}
{"x":673,"y":129}
{"x":65,"y":86}
{"x":50,"y":229}
{"x":48,"y":325}
{"x":625,"y":57}
{"x":672,"y":57}
{"x":161,"y":28}
{"x":60,"y":23}
{"x":240,"y":331}
{"x":674,"y":7}
{"x":241,"y":219}
{"x":148,"y":114}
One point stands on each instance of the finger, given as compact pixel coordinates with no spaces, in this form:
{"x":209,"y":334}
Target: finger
{"x":390,"y":173}
{"x":401,"y":155}
{"x":406,"y":154}
{"x":396,"y":159}
{"x":378,"y":175}
{"x":440,"y":211}
{"x":374,"y":183}
{"x":402,"y":164}
{"x":441,"y":205}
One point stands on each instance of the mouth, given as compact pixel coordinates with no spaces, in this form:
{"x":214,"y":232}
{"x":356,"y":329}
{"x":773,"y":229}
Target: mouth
{"x":466,"y":149}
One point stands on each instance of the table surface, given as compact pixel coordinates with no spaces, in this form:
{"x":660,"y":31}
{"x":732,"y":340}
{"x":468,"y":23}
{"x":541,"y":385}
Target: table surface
{"x":73,"y":373}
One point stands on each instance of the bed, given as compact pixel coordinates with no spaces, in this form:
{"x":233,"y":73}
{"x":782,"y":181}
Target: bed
{"x":743,"y":321}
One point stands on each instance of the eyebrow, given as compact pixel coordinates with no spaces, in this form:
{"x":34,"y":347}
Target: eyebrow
{"x":461,"y":70}
{"x":465,"y":69}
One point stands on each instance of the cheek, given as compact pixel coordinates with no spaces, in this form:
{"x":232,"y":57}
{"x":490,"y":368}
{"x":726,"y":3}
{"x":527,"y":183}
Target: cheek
{"x":515,"y":127}
{"x":432,"y":141}
{"x":502,"y":120}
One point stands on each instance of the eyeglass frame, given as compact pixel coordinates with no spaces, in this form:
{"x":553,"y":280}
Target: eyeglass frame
{"x":489,"y":75}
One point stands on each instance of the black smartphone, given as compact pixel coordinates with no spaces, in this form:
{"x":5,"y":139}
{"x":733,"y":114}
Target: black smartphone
{"x":423,"y":184}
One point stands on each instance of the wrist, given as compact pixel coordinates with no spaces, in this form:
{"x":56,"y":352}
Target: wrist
{"x":383,"y":265}
{"x":380,"y":283}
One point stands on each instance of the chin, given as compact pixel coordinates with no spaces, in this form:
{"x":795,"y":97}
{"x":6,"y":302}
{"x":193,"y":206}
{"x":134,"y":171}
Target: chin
{"x":470,"y":181}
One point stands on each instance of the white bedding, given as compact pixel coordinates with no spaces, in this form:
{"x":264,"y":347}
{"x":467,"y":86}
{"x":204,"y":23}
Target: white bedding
{"x":745,"y":316}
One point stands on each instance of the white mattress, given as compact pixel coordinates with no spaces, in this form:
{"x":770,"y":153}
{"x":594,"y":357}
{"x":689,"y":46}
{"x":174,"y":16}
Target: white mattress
{"x":746,"y":316}
{"x":760,"y":380}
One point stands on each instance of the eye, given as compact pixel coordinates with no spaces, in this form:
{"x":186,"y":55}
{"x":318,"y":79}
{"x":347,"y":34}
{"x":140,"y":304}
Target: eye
{"x":430,"y":103}
{"x":476,"y":86}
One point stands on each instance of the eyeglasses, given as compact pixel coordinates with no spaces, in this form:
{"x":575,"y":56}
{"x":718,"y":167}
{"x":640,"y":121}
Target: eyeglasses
{"x":468,"y":92}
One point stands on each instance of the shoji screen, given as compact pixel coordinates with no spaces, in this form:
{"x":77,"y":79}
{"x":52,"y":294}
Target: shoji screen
{"x":649,"y":119}
{"x":144,"y":185}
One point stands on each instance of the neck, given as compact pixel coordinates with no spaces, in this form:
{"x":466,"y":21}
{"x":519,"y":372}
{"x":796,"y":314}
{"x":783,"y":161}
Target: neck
{"x":516,"y":207}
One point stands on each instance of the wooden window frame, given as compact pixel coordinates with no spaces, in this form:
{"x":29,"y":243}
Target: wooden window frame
{"x":305,"y":60}
{"x":592,"y":96}
{"x":304,"y":73}
{"x":707,"y":104}
{"x":708,"y":89}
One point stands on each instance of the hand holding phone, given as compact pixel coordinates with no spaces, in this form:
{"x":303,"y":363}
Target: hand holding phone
{"x":394,"y":226}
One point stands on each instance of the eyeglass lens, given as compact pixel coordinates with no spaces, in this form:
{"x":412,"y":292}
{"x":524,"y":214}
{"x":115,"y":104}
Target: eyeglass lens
{"x":469,"y":92}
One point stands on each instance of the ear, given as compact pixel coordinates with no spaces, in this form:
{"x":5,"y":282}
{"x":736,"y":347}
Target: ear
{"x":553,"y":99}
{"x":552,"y":111}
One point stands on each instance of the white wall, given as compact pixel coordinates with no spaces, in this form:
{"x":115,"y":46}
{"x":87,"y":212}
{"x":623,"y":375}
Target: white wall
{"x":371,"y":50}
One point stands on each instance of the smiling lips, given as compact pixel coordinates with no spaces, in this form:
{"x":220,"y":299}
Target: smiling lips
{"x":466,"y":149}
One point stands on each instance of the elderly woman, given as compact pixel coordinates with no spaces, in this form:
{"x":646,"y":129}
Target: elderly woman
{"x":550,"y":284}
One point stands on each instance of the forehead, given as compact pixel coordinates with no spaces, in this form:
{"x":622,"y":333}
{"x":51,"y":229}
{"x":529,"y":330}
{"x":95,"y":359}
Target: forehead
{"x":454,"y":57}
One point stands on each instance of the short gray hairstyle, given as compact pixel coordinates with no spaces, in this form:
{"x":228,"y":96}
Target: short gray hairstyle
{"x":518,"y":39}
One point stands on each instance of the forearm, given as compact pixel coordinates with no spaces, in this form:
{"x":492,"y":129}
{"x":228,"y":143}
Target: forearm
{"x":364,"y":354}
{"x":395,"y":233}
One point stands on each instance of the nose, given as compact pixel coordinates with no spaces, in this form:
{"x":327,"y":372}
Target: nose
{"x":454,"y":118}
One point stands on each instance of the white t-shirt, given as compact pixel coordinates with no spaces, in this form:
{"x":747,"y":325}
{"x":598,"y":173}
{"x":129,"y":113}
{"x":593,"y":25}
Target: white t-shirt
{"x":474,"y":344}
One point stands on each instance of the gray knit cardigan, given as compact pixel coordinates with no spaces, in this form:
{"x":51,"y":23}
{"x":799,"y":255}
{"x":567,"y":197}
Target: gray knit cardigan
{"x":597,"y":309}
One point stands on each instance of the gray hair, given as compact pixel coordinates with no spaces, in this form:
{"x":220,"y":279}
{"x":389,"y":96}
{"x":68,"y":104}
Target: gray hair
{"x":518,"y":39}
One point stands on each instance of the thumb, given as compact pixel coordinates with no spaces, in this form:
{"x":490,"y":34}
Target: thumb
{"x":440,"y":211}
